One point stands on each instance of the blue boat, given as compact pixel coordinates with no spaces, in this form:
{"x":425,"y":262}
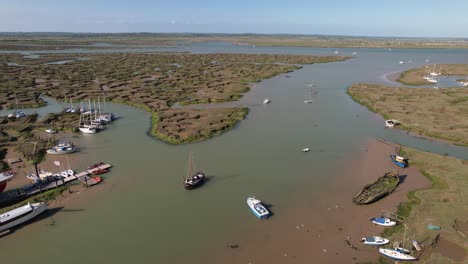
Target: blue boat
{"x":257,"y":207}
{"x":399,"y":161}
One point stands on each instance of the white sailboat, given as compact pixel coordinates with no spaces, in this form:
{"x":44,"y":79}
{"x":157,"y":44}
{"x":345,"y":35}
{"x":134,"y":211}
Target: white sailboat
{"x":434,"y":73}
{"x":20,"y":215}
{"x":396,"y":255}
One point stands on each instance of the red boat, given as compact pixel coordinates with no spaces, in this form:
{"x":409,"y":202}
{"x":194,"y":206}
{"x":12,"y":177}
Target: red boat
{"x":4,"y":177}
{"x":99,"y":171}
{"x":95,"y":165}
{"x":97,"y":179}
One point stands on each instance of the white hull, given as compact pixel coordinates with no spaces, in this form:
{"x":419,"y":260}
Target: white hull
{"x":20,"y":215}
{"x":394,"y":254}
{"x":88,"y":130}
{"x":374,"y":241}
{"x":257,"y":207}
{"x":53,"y":151}
{"x":383,"y":221}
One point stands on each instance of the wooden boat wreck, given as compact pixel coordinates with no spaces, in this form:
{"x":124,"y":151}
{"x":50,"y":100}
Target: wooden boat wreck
{"x":378,"y":189}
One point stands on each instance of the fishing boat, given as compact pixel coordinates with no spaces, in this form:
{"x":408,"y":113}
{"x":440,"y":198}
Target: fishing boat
{"x":61,"y":149}
{"x":377,"y":190}
{"x":383,"y":221}
{"x":20,"y":215}
{"x":374,"y":241}
{"x":4,"y":177}
{"x":399,"y":160}
{"x":396,"y":255}
{"x":193,"y":180}
{"x":257,"y":207}
{"x":266,"y":101}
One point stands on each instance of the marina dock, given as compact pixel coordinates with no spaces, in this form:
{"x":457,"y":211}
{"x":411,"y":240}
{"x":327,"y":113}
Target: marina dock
{"x":85,"y":177}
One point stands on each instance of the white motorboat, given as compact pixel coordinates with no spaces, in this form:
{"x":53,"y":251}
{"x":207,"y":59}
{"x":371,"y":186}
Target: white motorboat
{"x":20,"y":215}
{"x":305,"y":150}
{"x":374,"y":241}
{"x":308,"y":101}
{"x":266,"y":101}
{"x":383,"y":221}
{"x":396,"y":255}
{"x":257,"y":207}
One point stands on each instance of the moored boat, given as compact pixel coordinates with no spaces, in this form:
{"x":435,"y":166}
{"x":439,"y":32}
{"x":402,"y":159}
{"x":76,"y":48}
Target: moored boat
{"x":378,"y":189}
{"x":391,"y":123}
{"x":57,"y":150}
{"x":257,"y":207}
{"x":20,"y":215}
{"x":383,"y":221}
{"x":396,"y":255}
{"x":99,"y":171}
{"x":96,"y":165}
{"x":374,"y":241}
{"x":193,"y":180}
{"x":399,"y":160}
{"x":305,"y":150}
{"x":266,"y":101}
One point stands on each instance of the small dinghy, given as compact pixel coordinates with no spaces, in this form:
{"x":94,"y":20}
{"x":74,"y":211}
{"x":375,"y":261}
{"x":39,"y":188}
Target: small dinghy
{"x":266,"y":101}
{"x":391,"y":123}
{"x":396,"y":255}
{"x":308,"y":101}
{"x":305,"y":150}
{"x":383,"y":221}
{"x":374,"y":241}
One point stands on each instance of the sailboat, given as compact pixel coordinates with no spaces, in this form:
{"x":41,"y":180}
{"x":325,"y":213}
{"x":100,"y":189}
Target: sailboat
{"x":16,"y":114}
{"x":396,"y":254}
{"x":85,"y":128}
{"x":434,"y":73}
{"x":193,"y":180}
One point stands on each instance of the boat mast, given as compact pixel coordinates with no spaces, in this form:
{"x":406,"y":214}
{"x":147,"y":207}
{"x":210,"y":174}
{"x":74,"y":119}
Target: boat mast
{"x":189,"y":170}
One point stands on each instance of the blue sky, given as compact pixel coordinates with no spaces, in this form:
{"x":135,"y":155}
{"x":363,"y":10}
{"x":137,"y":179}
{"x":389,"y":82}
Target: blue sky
{"x":409,"y":18}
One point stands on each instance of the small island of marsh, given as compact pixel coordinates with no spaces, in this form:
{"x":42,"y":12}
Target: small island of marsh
{"x":433,"y":113}
{"x":428,"y":74}
{"x":155,"y":82}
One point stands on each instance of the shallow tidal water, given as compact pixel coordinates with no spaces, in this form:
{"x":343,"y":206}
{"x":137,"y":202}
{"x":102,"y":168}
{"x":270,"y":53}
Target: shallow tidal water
{"x":143,"y":214}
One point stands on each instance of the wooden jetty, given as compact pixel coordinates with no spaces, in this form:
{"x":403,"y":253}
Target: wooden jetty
{"x":83,"y":176}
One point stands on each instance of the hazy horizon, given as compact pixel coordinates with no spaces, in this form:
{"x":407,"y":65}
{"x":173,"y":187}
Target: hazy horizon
{"x":366,"y":18}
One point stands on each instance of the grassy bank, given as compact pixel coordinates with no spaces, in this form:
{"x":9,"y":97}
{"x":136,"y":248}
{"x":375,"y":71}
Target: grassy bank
{"x":415,"y":76}
{"x":41,"y":197}
{"x":444,"y":204}
{"x":432,"y":113}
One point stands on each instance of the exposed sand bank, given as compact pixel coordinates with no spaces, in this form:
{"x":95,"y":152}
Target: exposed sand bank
{"x":317,"y":225}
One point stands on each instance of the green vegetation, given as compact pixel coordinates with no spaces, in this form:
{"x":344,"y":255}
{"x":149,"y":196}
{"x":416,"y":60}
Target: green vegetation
{"x":433,"y":113}
{"x":443,"y":204}
{"x":415,"y":76}
{"x":155,"y":82}
{"x":40,"y":197}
